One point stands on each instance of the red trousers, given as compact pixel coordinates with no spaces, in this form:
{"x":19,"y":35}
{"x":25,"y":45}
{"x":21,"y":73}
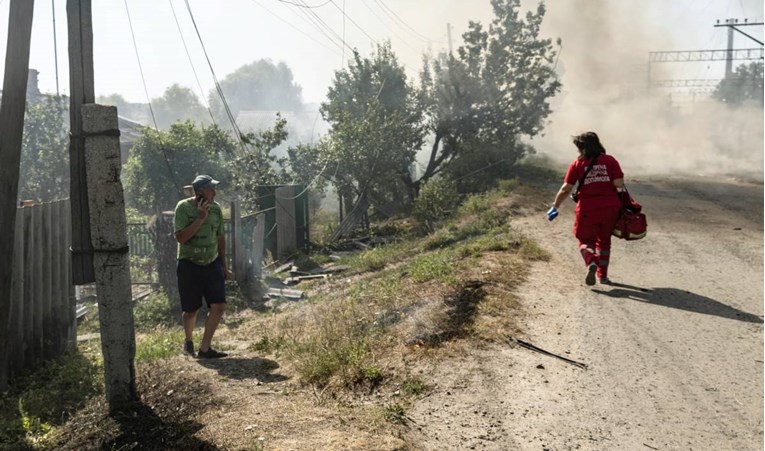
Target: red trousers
{"x":593,"y":229}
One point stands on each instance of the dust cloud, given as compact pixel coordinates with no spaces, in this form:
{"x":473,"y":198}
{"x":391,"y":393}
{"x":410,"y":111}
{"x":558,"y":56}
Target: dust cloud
{"x":604,"y":71}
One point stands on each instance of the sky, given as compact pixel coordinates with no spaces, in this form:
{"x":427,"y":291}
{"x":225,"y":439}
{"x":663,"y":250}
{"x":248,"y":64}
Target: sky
{"x":602,"y":62}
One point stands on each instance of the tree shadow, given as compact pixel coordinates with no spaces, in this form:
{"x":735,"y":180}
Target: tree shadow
{"x":241,"y":369}
{"x":680,"y":299}
{"x":140,"y":425}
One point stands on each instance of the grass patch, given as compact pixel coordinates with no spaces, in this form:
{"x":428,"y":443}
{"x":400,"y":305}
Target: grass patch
{"x":437,"y":265}
{"x":413,"y":386}
{"x":159,"y":344}
{"x":40,"y":401}
{"x":152,"y":312}
{"x":378,"y":258}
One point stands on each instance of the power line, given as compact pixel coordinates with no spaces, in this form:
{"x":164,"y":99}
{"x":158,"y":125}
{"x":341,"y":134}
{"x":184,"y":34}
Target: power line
{"x":148,"y":100}
{"x":217,"y":84}
{"x":393,"y":14}
{"x":291,"y":25}
{"x":304,"y":5}
{"x":199,"y":85}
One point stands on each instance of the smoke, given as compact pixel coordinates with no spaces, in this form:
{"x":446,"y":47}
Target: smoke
{"x":603,"y":68}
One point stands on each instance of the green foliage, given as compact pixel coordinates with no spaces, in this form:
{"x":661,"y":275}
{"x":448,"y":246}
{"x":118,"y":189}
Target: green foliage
{"x":161,"y":163}
{"x":481,"y":102}
{"x":413,"y":386}
{"x":159,"y":344}
{"x":508,"y":186}
{"x":255,"y":165}
{"x":46,"y":398}
{"x":746,"y":84}
{"x":260,"y":85}
{"x":153,"y":311}
{"x":347,"y":361}
{"x":437,"y":265}
{"x":44,"y":169}
{"x":376,"y":127}
{"x":437,"y":200}
{"x":395,"y":413}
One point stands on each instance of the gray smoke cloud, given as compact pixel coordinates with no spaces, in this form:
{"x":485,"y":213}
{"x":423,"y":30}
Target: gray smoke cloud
{"x":603,"y":68}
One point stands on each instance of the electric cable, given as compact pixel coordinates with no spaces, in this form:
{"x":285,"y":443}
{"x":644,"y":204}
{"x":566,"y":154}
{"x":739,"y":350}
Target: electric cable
{"x":393,"y":14}
{"x":291,"y":25}
{"x":148,"y":99}
{"x":217,"y":84}
{"x":188,"y":55}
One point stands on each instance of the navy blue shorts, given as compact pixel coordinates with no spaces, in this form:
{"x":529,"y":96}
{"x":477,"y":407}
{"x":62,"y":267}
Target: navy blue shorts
{"x":196,"y":282}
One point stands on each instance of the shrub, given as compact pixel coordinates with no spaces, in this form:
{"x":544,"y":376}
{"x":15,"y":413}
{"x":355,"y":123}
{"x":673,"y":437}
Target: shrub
{"x":437,"y":201}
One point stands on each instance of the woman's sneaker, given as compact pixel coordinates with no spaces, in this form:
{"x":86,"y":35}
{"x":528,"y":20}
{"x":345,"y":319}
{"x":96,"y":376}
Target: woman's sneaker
{"x":211,"y":354}
{"x":590,"y":279}
{"x":605,"y":281}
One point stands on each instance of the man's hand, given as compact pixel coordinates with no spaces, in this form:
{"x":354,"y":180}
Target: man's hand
{"x":226,"y":273}
{"x":203,"y":207}
{"x":552,"y":213}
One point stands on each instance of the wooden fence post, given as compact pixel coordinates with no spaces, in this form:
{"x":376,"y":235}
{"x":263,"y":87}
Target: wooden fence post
{"x":11,"y":128}
{"x":166,"y":249}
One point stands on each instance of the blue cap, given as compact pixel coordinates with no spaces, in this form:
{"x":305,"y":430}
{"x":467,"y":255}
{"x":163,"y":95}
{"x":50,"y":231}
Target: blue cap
{"x":202,"y":181}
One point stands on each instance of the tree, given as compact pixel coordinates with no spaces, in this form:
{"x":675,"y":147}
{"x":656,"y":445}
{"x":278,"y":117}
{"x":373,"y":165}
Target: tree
{"x":745,"y":84}
{"x":138,"y":112}
{"x":179,"y":103}
{"x":45,"y":152}
{"x":254,"y":164}
{"x":260,"y":85}
{"x":376,"y":128}
{"x":161,"y":163}
{"x":496,"y":90}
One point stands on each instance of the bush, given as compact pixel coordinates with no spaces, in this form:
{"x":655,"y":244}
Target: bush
{"x":152,"y":312}
{"x":437,"y":200}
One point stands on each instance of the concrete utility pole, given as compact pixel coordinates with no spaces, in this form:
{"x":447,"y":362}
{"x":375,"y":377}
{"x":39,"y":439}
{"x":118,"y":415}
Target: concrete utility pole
{"x":81,"y":91}
{"x":110,"y":244}
{"x":11,"y":130}
{"x":733,"y":25}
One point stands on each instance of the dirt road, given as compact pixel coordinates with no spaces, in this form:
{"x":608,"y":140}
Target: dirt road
{"x":674,"y":350}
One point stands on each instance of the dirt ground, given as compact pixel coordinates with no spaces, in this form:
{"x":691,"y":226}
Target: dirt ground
{"x":673,"y":354}
{"x":674,"y":350}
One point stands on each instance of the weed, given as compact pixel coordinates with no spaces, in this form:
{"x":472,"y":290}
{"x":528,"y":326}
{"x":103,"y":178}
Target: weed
{"x":395,"y":413}
{"x":45,"y":398}
{"x":413,"y":386}
{"x":438,"y":265}
{"x":160,"y":344}
{"x":508,"y":186}
{"x":153,"y":311}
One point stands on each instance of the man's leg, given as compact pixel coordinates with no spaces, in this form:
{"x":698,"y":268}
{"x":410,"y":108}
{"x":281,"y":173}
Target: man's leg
{"x":211,"y":324}
{"x":189,"y":320}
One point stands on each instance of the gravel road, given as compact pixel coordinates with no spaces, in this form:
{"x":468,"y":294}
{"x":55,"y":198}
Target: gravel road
{"x":674,"y":350}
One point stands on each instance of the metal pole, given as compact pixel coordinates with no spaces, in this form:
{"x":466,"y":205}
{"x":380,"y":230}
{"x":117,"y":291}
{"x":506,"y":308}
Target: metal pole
{"x":55,"y":44}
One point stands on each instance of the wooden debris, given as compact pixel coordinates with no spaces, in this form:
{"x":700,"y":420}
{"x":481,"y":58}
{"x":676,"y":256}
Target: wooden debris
{"x":298,"y":279}
{"x":284,"y":267}
{"x":542,"y":351}
{"x":285,"y":293}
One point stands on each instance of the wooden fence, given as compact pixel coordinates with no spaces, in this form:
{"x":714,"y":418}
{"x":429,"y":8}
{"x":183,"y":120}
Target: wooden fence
{"x":42,"y":322}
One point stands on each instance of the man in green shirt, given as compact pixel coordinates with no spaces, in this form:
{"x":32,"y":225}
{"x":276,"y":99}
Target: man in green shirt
{"x":202,"y":269}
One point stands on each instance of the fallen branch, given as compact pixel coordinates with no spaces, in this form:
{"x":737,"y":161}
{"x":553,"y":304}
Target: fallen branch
{"x":542,"y":351}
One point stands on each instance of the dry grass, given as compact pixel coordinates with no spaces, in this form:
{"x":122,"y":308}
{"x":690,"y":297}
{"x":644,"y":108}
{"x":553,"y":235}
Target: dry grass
{"x":340,"y":369}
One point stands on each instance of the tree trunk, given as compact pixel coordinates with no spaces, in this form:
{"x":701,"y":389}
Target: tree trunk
{"x":11,"y":128}
{"x":111,"y":259}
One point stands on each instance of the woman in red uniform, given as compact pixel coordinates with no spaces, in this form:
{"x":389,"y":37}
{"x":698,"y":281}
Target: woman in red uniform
{"x":597,"y":209}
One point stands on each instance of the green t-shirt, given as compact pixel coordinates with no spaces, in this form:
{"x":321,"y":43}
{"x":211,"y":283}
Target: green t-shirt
{"x":202,"y":248}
